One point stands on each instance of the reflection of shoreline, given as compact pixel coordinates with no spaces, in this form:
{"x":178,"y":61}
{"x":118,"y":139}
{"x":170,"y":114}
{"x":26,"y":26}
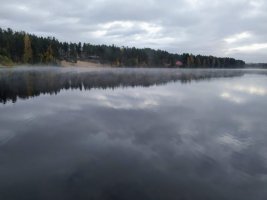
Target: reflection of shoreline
{"x":25,"y":83}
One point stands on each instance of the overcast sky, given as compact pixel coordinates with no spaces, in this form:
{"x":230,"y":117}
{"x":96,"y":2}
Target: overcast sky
{"x":232,"y":28}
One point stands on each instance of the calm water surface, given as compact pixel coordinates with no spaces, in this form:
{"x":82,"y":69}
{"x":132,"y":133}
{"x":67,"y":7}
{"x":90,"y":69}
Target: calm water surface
{"x":133,"y":134}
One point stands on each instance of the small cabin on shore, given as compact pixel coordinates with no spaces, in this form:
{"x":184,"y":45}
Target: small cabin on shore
{"x":179,"y":63}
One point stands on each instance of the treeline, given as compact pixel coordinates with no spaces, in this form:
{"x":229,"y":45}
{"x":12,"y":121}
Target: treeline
{"x":257,"y":65}
{"x":20,"y":48}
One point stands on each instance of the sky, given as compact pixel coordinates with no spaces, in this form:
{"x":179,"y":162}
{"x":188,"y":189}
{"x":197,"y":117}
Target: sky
{"x":225,"y":28}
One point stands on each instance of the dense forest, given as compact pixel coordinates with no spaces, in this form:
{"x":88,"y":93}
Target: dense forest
{"x":23,"y":48}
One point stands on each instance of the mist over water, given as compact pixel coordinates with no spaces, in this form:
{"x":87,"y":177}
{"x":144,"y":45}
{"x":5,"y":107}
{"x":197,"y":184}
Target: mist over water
{"x":133,"y":134}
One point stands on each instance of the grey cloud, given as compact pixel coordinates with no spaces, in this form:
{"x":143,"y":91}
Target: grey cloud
{"x":194,"y":26}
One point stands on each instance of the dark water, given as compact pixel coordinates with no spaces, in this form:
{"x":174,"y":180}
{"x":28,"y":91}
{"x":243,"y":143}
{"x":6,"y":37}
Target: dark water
{"x":133,"y":134}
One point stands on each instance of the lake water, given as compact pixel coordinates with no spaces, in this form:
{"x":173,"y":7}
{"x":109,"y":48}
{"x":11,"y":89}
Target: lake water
{"x":114,"y":134}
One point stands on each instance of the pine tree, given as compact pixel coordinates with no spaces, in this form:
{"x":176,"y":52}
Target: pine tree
{"x":198,"y":62}
{"x":27,"y":56}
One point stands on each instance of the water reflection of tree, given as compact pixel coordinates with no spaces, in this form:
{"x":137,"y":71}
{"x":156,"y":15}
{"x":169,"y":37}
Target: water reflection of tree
{"x":31,"y":83}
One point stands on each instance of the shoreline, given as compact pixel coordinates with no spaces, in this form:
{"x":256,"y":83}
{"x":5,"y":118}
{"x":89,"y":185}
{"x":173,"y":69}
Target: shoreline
{"x":85,"y":64}
{"x":91,"y":64}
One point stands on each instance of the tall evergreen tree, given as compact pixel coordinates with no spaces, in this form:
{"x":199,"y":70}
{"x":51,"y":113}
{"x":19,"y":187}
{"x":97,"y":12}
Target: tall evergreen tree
{"x":27,"y":56}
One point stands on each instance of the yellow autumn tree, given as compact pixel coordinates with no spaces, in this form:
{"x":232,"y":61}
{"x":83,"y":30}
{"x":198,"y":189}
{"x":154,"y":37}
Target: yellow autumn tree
{"x":48,"y":55}
{"x":27,"y":56}
{"x":190,"y":60}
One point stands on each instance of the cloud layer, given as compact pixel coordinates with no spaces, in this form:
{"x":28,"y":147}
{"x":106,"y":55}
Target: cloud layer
{"x":221,"y":28}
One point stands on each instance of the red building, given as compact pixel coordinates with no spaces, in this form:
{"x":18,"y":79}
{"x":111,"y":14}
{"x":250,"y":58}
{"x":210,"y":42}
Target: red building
{"x":178,"y":63}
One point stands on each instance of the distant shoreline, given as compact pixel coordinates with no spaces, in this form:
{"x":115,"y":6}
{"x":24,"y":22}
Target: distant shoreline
{"x":79,"y":63}
{"x":91,"y":64}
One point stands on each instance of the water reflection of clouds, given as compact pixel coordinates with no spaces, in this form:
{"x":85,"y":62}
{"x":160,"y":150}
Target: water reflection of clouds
{"x":250,"y":89}
{"x":5,"y":136}
{"x":133,"y":98}
{"x":233,"y":142}
{"x":131,"y":141}
{"x":120,"y":101}
{"x":230,"y":97}
{"x":239,"y":91}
